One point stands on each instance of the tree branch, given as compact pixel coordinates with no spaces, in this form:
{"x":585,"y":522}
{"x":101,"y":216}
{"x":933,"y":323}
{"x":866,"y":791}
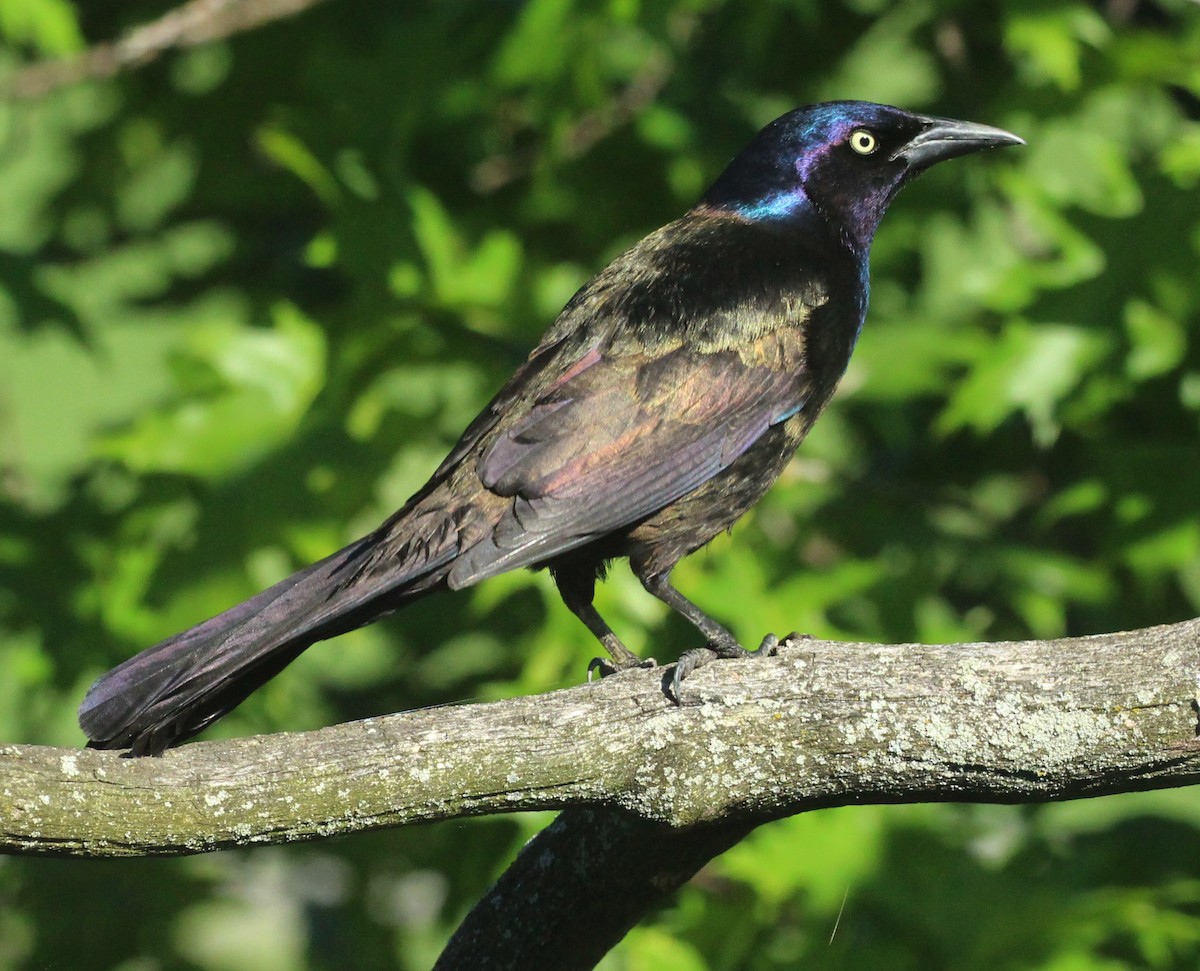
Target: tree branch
{"x":823,"y":724}
{"x":192,"y":23}
{"x":1006,"y":722}
{"x":654,"y":790}
{"x":577,"y":888}
{"x":586,"y":131}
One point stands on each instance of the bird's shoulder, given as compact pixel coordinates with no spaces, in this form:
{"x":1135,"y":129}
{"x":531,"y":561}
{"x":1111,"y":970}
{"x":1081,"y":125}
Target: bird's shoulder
{"x":710,"y":292}
{"x":711,"y":280}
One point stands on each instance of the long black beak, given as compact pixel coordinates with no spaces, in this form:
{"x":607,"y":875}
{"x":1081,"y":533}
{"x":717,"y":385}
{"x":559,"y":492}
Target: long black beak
{"x":943,"y":138}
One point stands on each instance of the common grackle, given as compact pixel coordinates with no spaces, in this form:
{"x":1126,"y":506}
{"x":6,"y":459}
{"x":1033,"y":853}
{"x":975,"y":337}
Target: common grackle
{"x":660,"y":406}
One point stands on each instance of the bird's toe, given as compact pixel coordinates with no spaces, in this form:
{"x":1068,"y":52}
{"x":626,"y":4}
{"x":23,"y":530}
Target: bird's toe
{"x":603,"y":667}
{"x":689,"y":661}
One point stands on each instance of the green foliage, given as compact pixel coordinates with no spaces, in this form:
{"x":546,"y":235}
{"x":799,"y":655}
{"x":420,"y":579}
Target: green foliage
{"x":47,"y":26}
{"x":250,"y":293}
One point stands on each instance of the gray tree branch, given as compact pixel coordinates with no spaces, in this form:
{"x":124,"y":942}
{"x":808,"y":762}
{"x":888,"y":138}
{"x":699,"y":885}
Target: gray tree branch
{"x":823,"y":724}
{"x":1003,"y":722}
{"x":191,"y":23}
{"x":651,"y":791}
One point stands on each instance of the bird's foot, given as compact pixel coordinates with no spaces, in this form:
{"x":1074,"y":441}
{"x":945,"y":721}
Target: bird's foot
{"x":603,"y":666}
{"x":689,"y":661}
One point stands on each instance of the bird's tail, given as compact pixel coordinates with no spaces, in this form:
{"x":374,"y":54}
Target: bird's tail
{"x":171,"y":691}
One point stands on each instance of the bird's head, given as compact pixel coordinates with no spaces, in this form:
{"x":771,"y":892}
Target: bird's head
{"x":842,"y":162}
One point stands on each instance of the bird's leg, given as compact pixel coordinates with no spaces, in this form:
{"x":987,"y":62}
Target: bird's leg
{"x":721,"y":643}
{"x":577,"y":586}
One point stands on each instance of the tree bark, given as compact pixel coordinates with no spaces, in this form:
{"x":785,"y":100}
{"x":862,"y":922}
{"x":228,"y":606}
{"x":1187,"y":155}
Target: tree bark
{"x":653,"y":790}
{"x":822,"y":724}
{"x":578,"y":887}
{"x":1039,"y":721}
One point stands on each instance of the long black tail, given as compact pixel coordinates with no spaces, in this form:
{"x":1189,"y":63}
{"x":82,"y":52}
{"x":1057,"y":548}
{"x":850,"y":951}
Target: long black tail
{"x":171,"y":691}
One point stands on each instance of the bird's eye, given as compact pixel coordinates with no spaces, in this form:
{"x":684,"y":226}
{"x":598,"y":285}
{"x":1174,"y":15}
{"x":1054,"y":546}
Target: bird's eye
{"x":863,"y":141}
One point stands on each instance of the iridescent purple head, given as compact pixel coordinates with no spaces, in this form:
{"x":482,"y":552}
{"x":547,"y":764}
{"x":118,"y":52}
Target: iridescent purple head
{"x":842,"y":162}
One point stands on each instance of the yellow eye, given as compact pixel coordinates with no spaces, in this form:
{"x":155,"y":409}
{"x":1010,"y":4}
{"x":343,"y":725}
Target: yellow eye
{"x":863,"y":142}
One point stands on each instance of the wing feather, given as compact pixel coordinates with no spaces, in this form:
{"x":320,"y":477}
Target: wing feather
{"x":621,"y":439}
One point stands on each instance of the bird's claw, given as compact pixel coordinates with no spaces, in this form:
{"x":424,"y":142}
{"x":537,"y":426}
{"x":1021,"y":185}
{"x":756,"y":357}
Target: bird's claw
{"x":606,"y":666}
{"x":689,"y":661}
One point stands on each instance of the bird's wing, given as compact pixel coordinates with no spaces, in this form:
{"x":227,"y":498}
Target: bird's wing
{"x":620,"y":437}
{"x":542,"y":356}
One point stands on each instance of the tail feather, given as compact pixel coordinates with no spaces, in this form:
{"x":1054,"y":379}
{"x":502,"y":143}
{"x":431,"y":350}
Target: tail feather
{"x":173,"y":690}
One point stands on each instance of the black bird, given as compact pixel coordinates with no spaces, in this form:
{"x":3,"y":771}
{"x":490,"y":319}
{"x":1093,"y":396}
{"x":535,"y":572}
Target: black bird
{"x":660,"y":406}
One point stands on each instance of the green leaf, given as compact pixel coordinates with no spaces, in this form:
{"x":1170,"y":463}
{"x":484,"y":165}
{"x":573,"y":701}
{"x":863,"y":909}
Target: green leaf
{"x":56,"y":395}
{"x":840,"y":851}
{"x":1076,"y":162}
{"x":461,"y":277}
{"x":887,"y":63}
{"x":49,"y":25}
{"x":290,"y":153}
{"x":1050,"y":42}
{"x":535,"y":49}
{"x":1159,"y":341}
{"x":265,"y":381}
{"x":1031,"y":369}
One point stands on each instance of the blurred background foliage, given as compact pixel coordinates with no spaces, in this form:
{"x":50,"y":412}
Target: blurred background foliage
{"x":251,"y":291}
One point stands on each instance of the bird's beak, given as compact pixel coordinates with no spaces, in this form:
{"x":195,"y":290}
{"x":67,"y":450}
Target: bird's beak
{"x":943,"y":138}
